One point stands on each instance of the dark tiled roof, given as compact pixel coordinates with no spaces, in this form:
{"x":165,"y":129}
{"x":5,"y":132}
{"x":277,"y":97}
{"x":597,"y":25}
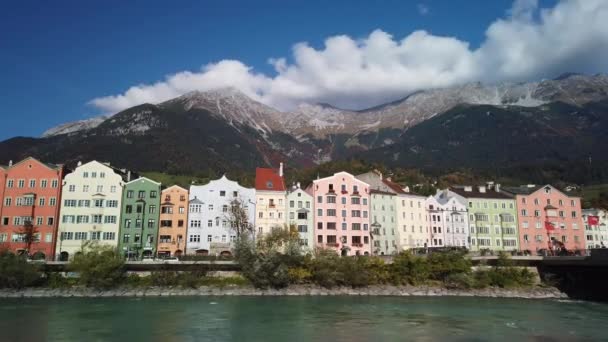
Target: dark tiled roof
{"x":521,"y":190}
{"x":196,"y":201}
{"x":475,"y":193}
{"x":268,"y":179}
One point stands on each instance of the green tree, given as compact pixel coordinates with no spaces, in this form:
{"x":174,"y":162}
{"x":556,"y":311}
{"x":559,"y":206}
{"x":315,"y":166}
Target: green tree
{"x":99,"y":266}
{"x":16,"y":272}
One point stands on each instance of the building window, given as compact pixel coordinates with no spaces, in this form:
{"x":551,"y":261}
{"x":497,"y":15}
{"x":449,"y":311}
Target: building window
{"x":109,"y":236}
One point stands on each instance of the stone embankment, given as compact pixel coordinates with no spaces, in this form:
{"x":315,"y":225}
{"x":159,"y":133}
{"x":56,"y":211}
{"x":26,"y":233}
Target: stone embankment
{"x":405,"y":291}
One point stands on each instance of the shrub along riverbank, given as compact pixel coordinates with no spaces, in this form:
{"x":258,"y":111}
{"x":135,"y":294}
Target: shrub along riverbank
{"x":277,"y":262}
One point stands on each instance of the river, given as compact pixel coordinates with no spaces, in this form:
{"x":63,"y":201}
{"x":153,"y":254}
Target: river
{"x":301,"y":319}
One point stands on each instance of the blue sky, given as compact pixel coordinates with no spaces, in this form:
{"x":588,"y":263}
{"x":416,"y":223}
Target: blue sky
{"x":57,"y":56}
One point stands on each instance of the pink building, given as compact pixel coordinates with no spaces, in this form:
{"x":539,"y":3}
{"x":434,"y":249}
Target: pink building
{"x":538,"y":205}
{"x":341,"y":217}
{"x":31,"y":194}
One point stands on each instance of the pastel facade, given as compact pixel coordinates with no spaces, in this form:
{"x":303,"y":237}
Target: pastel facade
{"x":90,"y":207}
{"x":539,"y":204}
{"x":383,"y":222}
{"x":492,"y":217}
{"x":300,"y":214}
{"x":448,"y":220}
{"x":173,"y":228}
{"x":209,"y":224}
{"x":139,"y":218}
{"x":413,"y":221}
{"x":30,"y":191}
{"x":270,"y":199}
{"x":596,"y":235}
{"x":342,"y":210}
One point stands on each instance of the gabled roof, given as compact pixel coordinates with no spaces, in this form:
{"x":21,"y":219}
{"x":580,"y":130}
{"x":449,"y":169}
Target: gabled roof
{"x":530,"y":189}
{"x":475,"y":193}
{"x":175,"y":186}
{"x":123,"y":173}
{"x":48,"y":165}
{"x":267,"y":179}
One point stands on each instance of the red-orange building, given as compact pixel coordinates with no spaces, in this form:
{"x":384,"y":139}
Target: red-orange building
{"x":31,"y":191}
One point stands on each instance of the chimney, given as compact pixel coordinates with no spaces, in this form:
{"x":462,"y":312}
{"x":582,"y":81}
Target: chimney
{"x":390,"y":179}
{"x":446,"y":192}
{"x":298,"y":185}
{"x":10,"y":163}
{"x":79,"y":163}
{"x":406,"y":189}
{"x":482,"y":189}
{"x":281,"y":169}
{"x":497,"y":187}
{"x":129,"y":176}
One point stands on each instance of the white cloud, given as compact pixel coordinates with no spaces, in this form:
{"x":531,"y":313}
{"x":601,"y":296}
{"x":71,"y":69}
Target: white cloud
{"x":423,"y":9}
{"x":528,"y":44}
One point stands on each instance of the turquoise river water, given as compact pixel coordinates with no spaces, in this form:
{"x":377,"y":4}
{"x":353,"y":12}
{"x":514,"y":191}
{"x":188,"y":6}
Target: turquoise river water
{"x":301,"y":319}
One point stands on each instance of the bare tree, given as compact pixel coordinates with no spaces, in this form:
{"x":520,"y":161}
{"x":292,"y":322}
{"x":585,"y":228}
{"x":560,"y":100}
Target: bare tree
{"x":238,"y":218}
{"x":29,"y":235}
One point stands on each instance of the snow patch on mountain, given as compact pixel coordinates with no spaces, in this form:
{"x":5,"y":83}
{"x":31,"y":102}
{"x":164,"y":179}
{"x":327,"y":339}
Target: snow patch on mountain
{"x":76,"y":126}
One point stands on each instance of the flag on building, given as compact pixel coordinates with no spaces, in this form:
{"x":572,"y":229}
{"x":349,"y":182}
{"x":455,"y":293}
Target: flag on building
{"x":593,"y":220}
{"x":549,"y":226}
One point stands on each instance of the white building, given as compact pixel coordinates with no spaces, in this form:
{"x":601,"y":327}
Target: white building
{"x":90,"y":207}
{"x":300,"y":213}
{"x":448,"y":220}
{"x":209,"y":228}
{"x":596,"y":233}
{"x":412,"y":220}
{"x":270,"y":198}
{"x":408,"y":215}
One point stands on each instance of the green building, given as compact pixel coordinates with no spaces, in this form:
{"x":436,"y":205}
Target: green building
{"x":139,"y":218}
{"x":492,"y":217}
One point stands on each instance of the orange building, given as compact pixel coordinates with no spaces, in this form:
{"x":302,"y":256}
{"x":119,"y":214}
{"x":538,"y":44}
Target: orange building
{"x":31,"y":193}
{"x":173,"y":218}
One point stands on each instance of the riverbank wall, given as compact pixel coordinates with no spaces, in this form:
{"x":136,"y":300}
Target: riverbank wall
{"x":295,"y":290}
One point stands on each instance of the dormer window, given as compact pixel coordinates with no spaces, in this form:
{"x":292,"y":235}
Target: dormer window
{"x":269,"y":184}
{"x":547,"y":190}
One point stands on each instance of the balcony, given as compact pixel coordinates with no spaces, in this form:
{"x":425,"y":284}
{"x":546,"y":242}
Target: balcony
{"x":332,"y":244}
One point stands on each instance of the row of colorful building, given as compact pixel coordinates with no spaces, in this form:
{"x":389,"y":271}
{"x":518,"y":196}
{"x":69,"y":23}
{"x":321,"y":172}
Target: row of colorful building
{"x":355,"y":215}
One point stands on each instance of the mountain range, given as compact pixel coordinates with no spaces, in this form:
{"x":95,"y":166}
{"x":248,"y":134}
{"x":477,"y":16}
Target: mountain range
{"x":472,"y":125}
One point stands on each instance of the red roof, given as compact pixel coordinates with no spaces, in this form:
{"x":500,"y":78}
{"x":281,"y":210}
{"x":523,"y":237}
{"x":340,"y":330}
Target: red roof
{"x":394,"y":186}
{"x":268,"y":179}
